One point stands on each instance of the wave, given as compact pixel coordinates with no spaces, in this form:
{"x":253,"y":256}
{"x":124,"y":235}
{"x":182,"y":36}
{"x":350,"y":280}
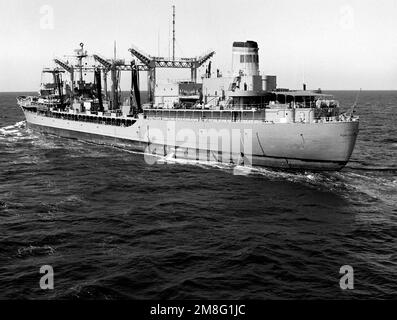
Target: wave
{"x":390,"y":140}
{"x":314,"y":179}
{"x":14,"y":127}
{"x":328,"y":180}
{"x":372,"y":168}
{"x":306,"y":177}
{"x":344,"y":183}
{"x":35,"y":250}
{"x":13,"y":132}
{"x":392,"y":169}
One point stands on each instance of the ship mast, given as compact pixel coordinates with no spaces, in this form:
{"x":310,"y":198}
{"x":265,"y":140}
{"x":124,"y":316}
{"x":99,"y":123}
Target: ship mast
{"x":150,"y":63}
{"x":80,"y":55}
{"x":173,"y":33}
{"x":113,"y":70}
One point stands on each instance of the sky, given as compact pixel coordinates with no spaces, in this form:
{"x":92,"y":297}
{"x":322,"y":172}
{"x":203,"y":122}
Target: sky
{"x":329,"y":44}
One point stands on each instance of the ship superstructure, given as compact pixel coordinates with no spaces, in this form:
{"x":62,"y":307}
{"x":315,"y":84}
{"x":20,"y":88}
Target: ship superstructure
{"x":240,"y":118}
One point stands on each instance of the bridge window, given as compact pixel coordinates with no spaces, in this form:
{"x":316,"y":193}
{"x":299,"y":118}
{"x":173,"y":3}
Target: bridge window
{"x":242,"y":58}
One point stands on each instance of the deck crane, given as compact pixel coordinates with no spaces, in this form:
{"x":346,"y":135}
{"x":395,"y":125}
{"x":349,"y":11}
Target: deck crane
{"x":57,"y":79}
{"x":106,"y":68}
{"x":80,"y":54}
{"x":115,"y":66}
{"x":158,"y":62}
{"x":67,"y":67}
{"x":112,"y":66}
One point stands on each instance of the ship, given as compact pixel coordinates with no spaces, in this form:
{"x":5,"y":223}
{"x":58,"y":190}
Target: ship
{"x":240,"y":118}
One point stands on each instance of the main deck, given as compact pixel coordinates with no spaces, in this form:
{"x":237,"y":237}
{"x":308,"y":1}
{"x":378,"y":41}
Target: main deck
{"x":278,"y":114}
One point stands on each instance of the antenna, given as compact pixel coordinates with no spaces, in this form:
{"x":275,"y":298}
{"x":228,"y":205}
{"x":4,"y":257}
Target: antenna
{"x":355,"y":103}
{"x":114,"y":49}
{"x":173,"y":33}
{"x":158,"y":42}
{"x":169,"y":38}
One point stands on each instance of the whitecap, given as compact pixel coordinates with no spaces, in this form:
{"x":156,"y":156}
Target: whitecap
{"x":36,"y":250}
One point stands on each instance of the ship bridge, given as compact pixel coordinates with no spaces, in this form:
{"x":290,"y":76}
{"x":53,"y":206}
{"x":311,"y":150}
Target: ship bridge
{"x":304,"y":99}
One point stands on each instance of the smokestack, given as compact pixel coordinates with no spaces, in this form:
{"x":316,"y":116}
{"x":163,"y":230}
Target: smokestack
{"x":304,"y":87}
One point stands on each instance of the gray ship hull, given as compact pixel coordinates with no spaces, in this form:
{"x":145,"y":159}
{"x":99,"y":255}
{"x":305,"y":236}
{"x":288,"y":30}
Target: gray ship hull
{"x":296,"y":146}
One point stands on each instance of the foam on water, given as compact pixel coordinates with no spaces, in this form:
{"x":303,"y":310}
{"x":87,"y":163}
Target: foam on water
{"x":19,"y":124}
{"x":35,"y":250}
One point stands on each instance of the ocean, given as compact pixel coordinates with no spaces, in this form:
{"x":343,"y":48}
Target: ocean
{"x":114,"y":227}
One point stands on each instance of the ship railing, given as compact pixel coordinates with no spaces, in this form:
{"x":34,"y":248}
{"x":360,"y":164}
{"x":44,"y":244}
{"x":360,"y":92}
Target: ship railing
{"x":268,"y":105}
{"x":81,"y":117}
{"x":203,"y":114}
{"x":344,"y":117}
{"x":337,"y":118}
{"x":246,"y":107}
{"x":329,"y":119}
{"x":226,"y":120}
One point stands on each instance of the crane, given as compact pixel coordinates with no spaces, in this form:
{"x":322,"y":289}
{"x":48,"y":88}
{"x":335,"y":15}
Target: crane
{"x":152,"y":63}
{"x":115,"y":66}
{"x":67,"y":67}
{"x":112,"y":66}
{"x":106,"y":68}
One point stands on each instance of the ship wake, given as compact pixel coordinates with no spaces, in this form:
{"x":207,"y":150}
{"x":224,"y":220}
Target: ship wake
{"x":344,"y":182}
{"x":13,"y":130}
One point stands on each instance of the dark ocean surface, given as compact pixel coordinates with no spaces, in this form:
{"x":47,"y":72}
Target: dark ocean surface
{"x":114,"y":227}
